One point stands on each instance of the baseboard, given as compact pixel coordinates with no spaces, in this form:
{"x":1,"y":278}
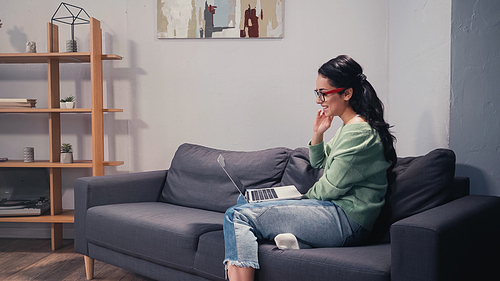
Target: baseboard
{"x":32,"y":230}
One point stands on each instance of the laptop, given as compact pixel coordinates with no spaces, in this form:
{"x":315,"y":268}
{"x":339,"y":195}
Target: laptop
{"x":261,"y":194}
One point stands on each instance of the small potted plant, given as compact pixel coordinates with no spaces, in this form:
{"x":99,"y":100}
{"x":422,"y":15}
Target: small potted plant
{"x":66,"y":153}
{"x":62,"y":103}
{"x":70,"y":102}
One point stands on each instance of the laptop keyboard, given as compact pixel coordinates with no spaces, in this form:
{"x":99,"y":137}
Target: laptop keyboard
{"x":264,"y":194}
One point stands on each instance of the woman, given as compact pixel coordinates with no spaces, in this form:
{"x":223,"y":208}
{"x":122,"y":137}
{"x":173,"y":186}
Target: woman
{"x":341,"y":208}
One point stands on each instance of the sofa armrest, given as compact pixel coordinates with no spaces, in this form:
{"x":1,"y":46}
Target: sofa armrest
{"x":455,"y":241}
{"x":113,"y":189}
{"x":461,"y":187}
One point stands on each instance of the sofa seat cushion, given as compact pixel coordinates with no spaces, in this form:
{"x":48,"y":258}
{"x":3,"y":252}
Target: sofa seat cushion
{"x":196,"y":180}
{"x":159,"y":232}
{"x":370,"y":263}
{"x":210,"y":254}
{"x":350,"y":263}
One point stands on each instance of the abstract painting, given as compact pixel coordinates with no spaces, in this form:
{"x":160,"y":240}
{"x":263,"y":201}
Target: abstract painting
{"x":220,"y":18}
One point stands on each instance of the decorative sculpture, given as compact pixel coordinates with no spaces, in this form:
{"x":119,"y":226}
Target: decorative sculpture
{"x":31,"y":47}
{"x":72,"y":19}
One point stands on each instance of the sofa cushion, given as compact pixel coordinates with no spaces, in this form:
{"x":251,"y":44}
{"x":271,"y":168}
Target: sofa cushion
{"x":415,"y":185}
{"x":210,"y":254}
{"x":196,"y":180}
{"x":343,"y":263}
{"x":299,"y":171}
{"x":352,"y":263}
{"x":158,"y":232}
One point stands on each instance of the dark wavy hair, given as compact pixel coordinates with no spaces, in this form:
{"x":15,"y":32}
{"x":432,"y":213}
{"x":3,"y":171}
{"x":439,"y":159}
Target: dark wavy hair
{"x":345,"y":72}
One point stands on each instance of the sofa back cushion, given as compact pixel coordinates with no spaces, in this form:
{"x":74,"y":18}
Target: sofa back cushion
{"x":196,"y":180}
{"x":299,"y":171}
{"x":415,"y":185}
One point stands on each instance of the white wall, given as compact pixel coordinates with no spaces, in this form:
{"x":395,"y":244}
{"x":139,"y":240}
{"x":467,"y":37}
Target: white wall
{"x":229,"y":93}
{"x":419,"y":74}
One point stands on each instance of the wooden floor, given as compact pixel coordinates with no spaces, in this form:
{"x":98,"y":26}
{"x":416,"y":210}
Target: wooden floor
{"x":32,"y":259}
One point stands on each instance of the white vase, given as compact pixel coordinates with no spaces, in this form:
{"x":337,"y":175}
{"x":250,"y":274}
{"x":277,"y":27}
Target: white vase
{"x":62,"y":105}
{"x":66,"y":157}
{"x":70,"y":104}
{"x":29,"y":154}
{"x":71,"y":46}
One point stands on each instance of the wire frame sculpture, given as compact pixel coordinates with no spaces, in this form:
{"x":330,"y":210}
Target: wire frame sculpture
{"x":73,"y":18}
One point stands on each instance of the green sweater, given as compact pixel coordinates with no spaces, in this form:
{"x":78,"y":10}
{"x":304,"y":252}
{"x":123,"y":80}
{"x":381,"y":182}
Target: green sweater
{"x":355,"y":172}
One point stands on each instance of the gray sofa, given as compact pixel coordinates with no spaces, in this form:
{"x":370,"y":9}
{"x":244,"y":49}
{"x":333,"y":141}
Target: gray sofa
{"x":167,"y":225}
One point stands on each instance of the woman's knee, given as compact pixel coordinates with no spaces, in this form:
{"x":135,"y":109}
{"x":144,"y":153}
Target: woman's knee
{"x":229,"y":214}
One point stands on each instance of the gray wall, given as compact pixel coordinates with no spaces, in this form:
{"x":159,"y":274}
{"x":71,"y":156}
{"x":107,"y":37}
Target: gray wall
{"x":475,"y":93}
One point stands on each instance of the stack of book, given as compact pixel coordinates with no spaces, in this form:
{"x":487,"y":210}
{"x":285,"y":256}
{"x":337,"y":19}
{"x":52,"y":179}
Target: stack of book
{"x":17,"y":103}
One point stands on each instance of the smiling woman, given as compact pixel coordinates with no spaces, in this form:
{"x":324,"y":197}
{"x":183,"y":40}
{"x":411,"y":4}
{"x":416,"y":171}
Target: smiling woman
{"x":359,"y":97}
{"x":333,"y":105}
{"x":340,"y":209}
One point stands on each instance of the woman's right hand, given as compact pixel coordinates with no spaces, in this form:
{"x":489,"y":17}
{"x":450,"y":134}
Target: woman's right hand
{"x":321,"y":124}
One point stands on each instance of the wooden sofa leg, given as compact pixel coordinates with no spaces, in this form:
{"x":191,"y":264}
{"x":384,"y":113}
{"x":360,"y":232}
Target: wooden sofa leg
{"x":89,"y":267}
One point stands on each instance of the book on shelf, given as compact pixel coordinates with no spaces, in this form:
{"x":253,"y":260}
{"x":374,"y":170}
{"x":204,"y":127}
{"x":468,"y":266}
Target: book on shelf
{"x":17,"y":103}
{"x":17,"y":100}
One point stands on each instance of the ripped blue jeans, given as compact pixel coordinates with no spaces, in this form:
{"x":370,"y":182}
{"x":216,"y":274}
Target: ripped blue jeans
{"x":315,"y":223}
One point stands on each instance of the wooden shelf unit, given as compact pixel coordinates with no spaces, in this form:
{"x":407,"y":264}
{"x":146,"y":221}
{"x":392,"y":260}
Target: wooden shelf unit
{"x":58,"y":216}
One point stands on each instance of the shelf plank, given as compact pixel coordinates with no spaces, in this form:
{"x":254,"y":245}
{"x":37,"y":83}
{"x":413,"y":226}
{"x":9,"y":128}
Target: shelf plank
{"x":47,"y":164}
{"x":53,"y":110}
{"x":67,"y":216}
{"x":77,"y":57}
{"x":113,"y":163}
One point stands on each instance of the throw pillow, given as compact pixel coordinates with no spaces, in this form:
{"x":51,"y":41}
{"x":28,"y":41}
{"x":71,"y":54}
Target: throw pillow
{"x":196,"y":180}
{"x":299,"y":171}
{"x":416,"y":184}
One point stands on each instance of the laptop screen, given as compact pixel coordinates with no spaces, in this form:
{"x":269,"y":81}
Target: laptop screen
{"x":232,"y":176}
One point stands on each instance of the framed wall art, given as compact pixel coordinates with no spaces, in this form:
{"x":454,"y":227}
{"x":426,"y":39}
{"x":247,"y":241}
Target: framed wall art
{"x":220,"y":18}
